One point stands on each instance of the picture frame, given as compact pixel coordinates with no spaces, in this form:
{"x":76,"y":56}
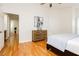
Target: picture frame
{"x":38,"y":22}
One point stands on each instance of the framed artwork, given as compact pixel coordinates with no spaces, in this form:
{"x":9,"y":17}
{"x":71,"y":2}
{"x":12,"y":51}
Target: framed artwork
{"x":38,"y":22}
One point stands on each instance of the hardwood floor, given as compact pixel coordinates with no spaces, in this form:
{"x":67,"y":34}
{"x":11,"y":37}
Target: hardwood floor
{"x":13,"y":48}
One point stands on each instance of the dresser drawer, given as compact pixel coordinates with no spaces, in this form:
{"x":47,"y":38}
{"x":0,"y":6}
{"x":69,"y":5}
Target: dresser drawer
{"x":38,"y":35}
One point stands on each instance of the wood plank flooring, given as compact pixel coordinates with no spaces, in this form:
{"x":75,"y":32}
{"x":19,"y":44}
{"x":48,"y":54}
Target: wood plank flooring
{"x":13,"y":48}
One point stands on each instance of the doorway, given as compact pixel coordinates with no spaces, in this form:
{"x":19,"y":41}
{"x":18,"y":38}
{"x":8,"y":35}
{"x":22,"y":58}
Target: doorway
{"x":11,"y":27}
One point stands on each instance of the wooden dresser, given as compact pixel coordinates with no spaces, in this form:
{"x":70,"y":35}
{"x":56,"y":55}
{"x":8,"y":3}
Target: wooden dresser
{"x":38,"y":35}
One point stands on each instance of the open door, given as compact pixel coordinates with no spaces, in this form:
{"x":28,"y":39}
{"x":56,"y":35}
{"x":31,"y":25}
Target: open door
{"x":1,"y":31}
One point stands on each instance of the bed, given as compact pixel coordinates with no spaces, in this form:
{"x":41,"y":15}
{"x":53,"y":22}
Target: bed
{"x":62,"y":42}
{"x":73,"y":45}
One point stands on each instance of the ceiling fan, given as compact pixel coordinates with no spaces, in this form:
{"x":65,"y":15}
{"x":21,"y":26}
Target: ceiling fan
{"x":50,"y":4}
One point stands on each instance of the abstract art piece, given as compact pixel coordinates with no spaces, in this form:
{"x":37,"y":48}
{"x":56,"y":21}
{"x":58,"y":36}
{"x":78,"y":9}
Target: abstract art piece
{"x":38,"y":22}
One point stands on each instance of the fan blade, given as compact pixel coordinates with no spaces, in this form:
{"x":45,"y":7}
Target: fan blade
{"x":42,"y":3}
{"x":59,"y":3}
{"x":50,"y":5}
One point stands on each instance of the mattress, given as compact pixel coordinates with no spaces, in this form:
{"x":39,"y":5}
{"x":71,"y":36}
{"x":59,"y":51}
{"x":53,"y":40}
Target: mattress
{"x":59,"y":41}
{"x":73,"y":45}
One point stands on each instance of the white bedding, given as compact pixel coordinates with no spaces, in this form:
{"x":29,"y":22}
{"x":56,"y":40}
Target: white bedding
{"x":73,"y":45}
{"x":59,"y":41}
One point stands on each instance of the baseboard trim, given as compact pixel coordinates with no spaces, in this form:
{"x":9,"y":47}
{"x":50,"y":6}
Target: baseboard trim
{"x":25,"y":41}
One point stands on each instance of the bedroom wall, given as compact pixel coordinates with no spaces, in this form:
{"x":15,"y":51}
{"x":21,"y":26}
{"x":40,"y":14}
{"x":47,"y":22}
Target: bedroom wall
{"x":60,"y":20}
{"x":76,"y":21}
{"x":1,"y":29}
{"x":56,"y":20}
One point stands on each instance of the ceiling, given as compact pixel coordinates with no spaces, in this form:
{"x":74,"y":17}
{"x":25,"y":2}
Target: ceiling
{"x":63,"y":5}
{"x":46,"y":4}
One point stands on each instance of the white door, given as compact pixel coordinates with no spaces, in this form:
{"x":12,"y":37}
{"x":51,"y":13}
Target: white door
{"x":1,"y":31}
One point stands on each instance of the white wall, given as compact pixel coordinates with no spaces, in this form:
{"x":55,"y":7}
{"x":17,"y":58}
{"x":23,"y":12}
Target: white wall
{"x":76,"y":21}
{"x":6,"y":25}
{"x":60,"y":20}
{"x":2,"y":31}
{"x":57,"y":20}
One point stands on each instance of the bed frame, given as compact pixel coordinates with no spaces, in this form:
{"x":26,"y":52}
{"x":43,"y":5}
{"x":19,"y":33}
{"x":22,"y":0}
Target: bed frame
{"x":60,"y":53}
